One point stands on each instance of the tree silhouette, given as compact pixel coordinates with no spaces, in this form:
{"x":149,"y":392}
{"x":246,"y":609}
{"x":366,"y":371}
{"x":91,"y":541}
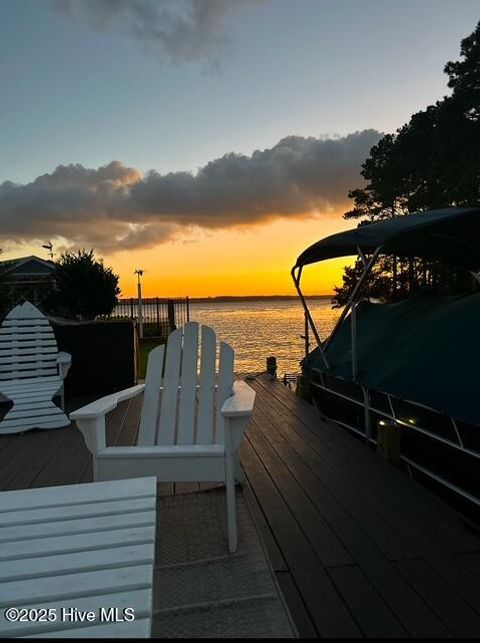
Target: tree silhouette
{"x":433,"y":161}
{"x":84,"y":288}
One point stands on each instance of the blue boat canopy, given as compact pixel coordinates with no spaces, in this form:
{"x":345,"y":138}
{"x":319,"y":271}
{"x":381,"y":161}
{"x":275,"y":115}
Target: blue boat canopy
{"x":451,"y":235}
{"x":424,"y":349}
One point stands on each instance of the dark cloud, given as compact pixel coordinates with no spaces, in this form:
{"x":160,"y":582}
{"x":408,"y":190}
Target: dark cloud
{"x":181,"y":30}
{"x":114,"y":207}
{"x":296,"y":176}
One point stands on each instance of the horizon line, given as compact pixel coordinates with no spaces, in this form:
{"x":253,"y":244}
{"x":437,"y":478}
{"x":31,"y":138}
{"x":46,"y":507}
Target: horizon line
{"x":230,"y":297}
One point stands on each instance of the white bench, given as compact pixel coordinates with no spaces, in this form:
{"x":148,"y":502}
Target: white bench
{"x":82,"y":547}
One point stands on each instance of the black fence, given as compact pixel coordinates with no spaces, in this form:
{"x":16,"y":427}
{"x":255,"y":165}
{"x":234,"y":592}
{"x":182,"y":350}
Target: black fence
{"x":159,"y":316}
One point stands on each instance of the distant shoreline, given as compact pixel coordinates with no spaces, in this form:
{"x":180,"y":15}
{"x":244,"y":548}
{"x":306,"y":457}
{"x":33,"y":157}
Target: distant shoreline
{"x":230,"y":298}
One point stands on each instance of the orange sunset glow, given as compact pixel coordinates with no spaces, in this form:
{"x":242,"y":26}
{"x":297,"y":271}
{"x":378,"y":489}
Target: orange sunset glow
{"x":238,"y":261}
{"x":249,"y":261}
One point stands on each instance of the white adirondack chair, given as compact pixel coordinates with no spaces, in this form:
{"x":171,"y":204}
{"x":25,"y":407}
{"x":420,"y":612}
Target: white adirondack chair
{"x":31,"y":371}
{"x":191,"y":424}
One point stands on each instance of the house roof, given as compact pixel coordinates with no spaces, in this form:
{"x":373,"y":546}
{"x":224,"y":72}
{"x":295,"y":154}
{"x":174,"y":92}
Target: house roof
{"x":12,"y":265}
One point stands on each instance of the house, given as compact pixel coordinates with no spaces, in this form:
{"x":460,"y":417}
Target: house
{"x":28,"y":277}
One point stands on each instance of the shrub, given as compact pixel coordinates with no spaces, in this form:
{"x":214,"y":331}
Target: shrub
{"x":84,"y":287}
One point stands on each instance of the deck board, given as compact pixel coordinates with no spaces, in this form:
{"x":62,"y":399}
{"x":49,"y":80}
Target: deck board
{"x":372,"y":613}
{"x":329,"y":488}
{"x":275,"y":556}
{"x":310,"y":577}
{"x":404,"y":601}
{"x":462,"y":620}
{"x":358,"y":549}
{"x":374,"y":478}
{"x":323,"y":538}
{"x":297,"y":609}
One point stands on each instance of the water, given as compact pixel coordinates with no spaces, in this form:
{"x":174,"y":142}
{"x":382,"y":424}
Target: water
{"x":257,"y":329}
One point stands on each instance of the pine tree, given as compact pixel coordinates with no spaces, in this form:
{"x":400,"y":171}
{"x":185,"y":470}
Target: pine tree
{"x":433,"y":161}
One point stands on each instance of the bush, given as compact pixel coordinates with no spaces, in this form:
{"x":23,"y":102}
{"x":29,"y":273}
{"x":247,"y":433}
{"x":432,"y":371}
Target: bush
{"x":84,"y":288}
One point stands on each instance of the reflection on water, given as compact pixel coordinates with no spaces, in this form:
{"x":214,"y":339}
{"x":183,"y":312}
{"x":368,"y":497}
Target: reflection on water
{"x":257,"y":329}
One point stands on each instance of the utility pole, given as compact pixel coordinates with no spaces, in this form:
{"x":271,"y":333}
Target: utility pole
{"x":139,"y":273}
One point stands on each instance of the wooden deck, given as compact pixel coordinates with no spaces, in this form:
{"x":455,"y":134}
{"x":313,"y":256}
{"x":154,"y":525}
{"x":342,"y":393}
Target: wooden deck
{"x":358,"y":549}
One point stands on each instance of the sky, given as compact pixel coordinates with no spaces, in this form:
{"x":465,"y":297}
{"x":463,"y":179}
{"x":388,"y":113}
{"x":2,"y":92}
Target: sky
{"x":207,"y":142}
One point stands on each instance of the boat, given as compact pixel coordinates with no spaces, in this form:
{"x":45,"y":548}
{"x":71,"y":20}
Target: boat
{"x":409,"y":367}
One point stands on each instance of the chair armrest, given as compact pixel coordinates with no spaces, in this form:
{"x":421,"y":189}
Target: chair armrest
{"x":64,"y":361}
{"x":64,"y":358}
{"x":105,"y":404}
{"x":240,"y":404}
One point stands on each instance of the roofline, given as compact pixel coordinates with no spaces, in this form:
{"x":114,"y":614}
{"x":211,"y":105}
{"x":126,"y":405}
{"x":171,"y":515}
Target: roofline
{"x":16,"y":263}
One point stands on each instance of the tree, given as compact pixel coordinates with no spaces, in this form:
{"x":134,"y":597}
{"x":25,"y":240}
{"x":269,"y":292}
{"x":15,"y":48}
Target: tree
{"x":433,"y":161}
{"x":464,"y":76}
{"x":84,"y":288}
{"x":461,"y":123}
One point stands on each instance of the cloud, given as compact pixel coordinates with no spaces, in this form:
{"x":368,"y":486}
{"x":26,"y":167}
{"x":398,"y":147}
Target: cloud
{"x":114,"y":207}
{"x":181,"y":30}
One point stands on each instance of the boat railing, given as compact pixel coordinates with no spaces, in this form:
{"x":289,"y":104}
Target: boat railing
{"x":375,"y":415}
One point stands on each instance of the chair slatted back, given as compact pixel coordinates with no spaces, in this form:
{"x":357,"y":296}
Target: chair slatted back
{"x":151,"y":398}
{"x":188,"y":387}
{"x":187,"y":412}
{"x":206,"y":393}
{"x":171,"y":382}
{"x":225,"y":383}
{"x":28,"y":348}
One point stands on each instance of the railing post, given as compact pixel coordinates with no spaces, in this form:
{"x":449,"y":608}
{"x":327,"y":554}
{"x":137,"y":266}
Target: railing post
{"x":368,"y":417}
{"x":158,"y":318}
{"x":388,"y":441}
{"x":353,"y":324}
{"x":140,"y":312}
{"x":171,"y":315}
{"x":272,"y":367}
{"x":188,"y":309}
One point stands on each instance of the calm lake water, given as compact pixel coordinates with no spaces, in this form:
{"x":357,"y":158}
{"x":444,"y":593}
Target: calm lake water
{"x":257,"y":329}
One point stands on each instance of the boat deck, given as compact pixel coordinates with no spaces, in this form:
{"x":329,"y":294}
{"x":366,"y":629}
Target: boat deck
{"x":358,"y":549}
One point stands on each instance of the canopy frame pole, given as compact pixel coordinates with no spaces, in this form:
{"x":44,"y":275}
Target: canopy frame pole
{"x":353,"y":330}
{"x":352,"y":297}
{"x":353,"y":323}
{"x":308,"y":317}
{"x":362,"y":256}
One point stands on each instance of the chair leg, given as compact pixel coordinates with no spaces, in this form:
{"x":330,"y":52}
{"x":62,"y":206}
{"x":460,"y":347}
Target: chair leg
{"x":239,"y":472}
{"x":231,"y":513}
{"x":232,"y":470}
